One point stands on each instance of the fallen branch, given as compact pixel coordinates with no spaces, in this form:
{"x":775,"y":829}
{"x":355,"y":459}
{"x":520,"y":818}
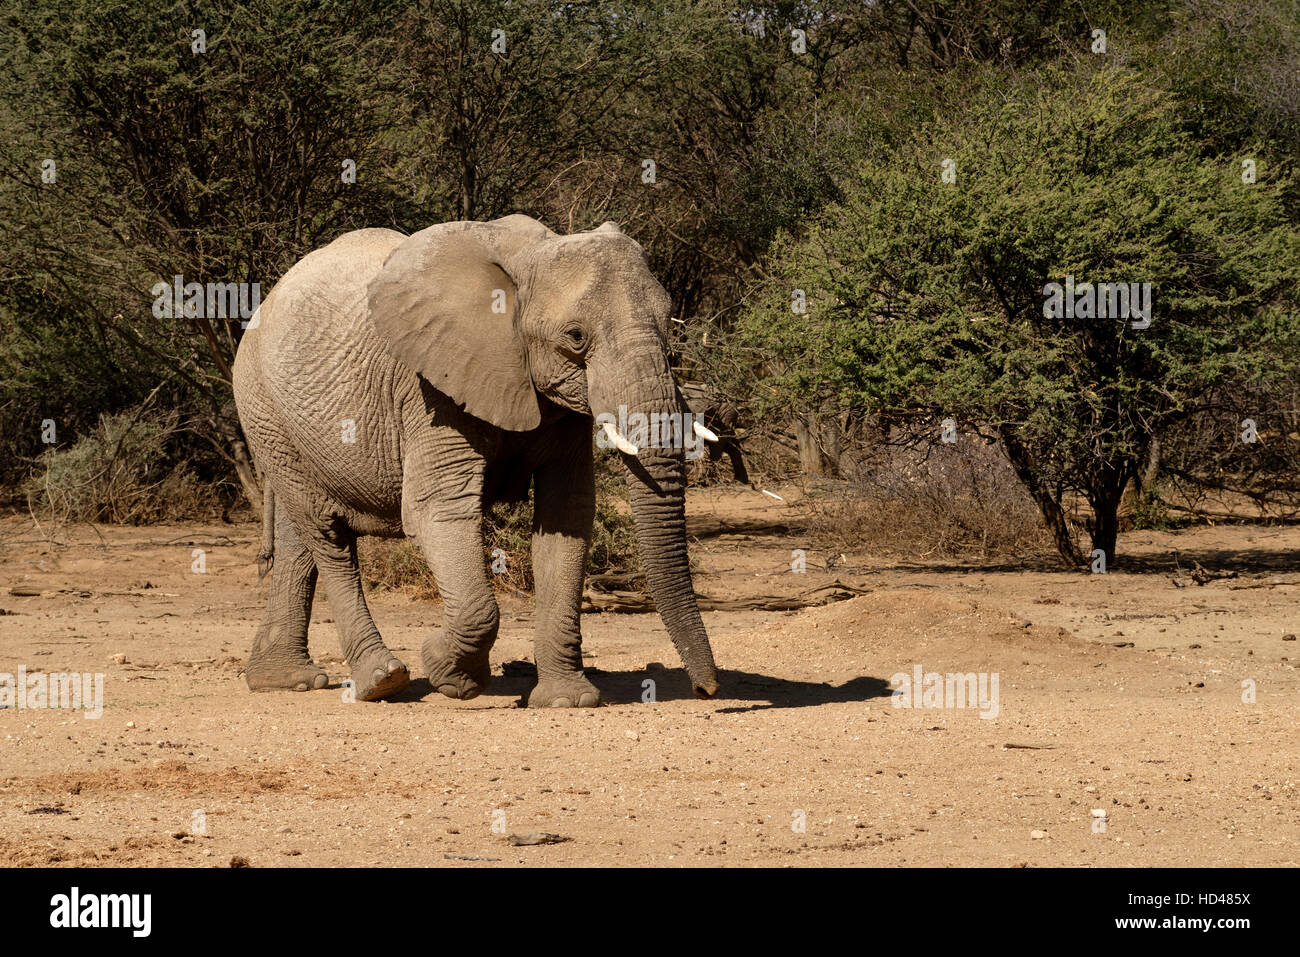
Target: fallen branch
{"x":1271,"y":583}
{"x":628,"y":601}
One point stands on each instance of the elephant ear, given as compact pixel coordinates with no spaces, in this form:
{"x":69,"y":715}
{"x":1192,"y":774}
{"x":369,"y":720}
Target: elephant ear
{"x":446,"y":305}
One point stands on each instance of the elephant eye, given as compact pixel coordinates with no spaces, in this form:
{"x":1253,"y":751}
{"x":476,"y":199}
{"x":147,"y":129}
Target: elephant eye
{"x":574,"y":339}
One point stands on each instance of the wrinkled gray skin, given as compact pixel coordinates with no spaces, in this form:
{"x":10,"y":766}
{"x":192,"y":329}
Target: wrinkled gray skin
{"x":455,"y":406}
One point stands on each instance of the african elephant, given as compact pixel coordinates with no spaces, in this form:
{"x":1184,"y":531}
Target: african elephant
{"x":394,"y":384}
{"x":722,"y":420}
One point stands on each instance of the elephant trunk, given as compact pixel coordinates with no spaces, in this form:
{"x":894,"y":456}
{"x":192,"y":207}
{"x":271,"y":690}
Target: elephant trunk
{"x":657,"y":495}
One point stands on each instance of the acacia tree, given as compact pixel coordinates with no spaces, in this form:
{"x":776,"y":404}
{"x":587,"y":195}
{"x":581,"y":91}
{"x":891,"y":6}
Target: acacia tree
{"x":928,"y":287}
{"x":502,"y":101}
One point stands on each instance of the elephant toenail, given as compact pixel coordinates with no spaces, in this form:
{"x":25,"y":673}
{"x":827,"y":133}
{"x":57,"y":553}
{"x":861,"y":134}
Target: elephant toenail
{"x":561,"y":702}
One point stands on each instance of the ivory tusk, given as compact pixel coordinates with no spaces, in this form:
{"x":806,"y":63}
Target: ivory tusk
{"x":620,"y":443}
{"x":704,"y":433}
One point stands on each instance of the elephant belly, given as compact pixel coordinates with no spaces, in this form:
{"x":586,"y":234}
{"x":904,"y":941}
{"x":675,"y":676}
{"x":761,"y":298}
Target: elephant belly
{"x":353,"y":456}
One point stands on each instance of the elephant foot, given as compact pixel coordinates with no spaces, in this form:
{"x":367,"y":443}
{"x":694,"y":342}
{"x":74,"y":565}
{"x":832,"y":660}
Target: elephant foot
{"x":378,"y":674}
{"x":456,"y":676}
{"x":576,"y":692}
{"x":296,"y":675}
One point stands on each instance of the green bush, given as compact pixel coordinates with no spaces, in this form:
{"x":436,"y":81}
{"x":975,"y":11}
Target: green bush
{"x":927,"y":287}
{"x":1151,"y":512}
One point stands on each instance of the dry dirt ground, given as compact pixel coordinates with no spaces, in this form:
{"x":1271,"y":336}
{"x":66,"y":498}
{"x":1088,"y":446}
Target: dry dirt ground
{"x":1127,"y":688}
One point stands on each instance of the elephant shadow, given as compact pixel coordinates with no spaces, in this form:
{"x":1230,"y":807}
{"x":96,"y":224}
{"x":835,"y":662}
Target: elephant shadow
{"x":741,"y":690}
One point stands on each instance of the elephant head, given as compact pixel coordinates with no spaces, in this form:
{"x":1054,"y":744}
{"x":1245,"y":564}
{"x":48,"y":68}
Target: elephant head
{"x":498,"y":315}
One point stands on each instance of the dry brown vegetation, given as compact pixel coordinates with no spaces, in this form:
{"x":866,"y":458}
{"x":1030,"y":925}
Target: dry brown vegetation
{"x":938,"y":503}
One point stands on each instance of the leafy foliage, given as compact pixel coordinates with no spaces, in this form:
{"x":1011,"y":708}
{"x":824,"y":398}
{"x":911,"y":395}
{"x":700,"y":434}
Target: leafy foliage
{"x":927,"y":298}
{"x":794,"y":145}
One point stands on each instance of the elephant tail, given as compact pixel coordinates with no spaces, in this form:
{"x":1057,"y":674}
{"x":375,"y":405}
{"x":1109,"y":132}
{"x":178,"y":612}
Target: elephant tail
{"x":266,"y":557}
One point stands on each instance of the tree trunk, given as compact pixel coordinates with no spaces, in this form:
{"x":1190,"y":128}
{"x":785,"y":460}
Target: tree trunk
{"x":230,"y":432}
{"x":833,"y":446}
{"x":1105,"y":530}
{"x":1143,"y":481}
{"x":810,"y":453}
{"x":247,"y":475}
{"x":1105,"y":499}
{"x":1048,"y":505}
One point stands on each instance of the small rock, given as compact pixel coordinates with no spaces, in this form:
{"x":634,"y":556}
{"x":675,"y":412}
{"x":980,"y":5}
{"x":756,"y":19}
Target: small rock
{"x":1099,"y":812}
{"x":238,"y":861}
{"x":1038,"y":835}
{"x":632,"y":735}
{"x":1288,"y":637}
{"x":130,"y":726}
{"x":118,"y":659}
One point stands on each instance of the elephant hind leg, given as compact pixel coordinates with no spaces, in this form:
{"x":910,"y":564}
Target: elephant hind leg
{"x":279,"y":660}
{"x":376,"y":671}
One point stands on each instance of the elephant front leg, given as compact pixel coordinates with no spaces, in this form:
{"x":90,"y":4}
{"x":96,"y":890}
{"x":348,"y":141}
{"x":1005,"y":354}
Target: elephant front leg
{"x":456,"y":659}
{"x":564,"y":506}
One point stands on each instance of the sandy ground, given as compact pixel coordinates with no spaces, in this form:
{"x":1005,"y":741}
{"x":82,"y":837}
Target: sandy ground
{"x":1127,"y":689}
